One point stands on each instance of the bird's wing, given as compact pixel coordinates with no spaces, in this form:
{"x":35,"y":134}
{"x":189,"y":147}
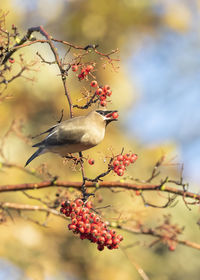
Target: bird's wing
{"x":44,"y":132}
{"x":64,"y":133}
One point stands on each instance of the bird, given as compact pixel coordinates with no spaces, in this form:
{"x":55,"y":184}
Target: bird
{"x":76,"y":134}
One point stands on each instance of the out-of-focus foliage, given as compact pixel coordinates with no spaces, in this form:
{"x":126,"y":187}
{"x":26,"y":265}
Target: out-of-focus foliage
{"x":53,"y":251}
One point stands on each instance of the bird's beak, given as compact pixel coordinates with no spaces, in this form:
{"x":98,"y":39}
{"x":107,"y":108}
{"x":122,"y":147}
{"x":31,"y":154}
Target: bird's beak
{"x":109,"y":116}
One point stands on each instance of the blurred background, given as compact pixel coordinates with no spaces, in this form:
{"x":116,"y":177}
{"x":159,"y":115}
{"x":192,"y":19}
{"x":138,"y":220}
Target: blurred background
{"x":157,"y":93}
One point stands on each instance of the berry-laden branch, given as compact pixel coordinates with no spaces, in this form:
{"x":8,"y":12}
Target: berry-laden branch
{"x":8,"y":50}
{"x":89,"y":225}
{"x":162,"y":233}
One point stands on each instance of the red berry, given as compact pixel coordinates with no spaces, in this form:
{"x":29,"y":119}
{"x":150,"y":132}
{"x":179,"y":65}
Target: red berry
{"x":74,"y":221}
{"x":81,"y":76}
{"x":83,"y":236}
{"x":102,"y":97}
{"x":92,"y":215}
{"x":106,"y":88}
{"x":93,"y":226}
{"x":120,"y":237}
{"x":101,"y":240}
{"x":115,"y":240}
{"x":84,"y":210}
{"x":77,"y":210}
{"x":63,"y":204}
{"x":120,"y":172}
{"x":84,"y":71}
{"x":74,"y":68}
{"x":120,"y":157}
{"x":105,"y":224}
{"x":73,"y":215}
{"x":121,"y":166}
{"x":137,"y":192}
{"x":79,"y":218}
{"x":109,"y":92}
{"x":109,"y":242}
{"x":11,"y":60}
{"x":108,"y":236}
{"x":81,"y":229}
{"x":61,"y":210}
{"x":91,"y":161}
{"x":67,"y":213}
{"x":79,"y":202}
{"x":115,"y":115}
{"x":103,"y":103}
{"x":126,"y":156}
{"x":71,"y":227}
{"x":112,"y":232}
{"x":96,"y":219}
{"x":87,"y":226}
{"x":89,"y":68}
{"x":126,"y":162}
{"x":172,"y":248}
{"x":85,"y":217}
{"x":88,"y":204}
{"x":100,"y":247}
{"x":116,"y":162}
{"x":94,"y":84}
{"x":133,"y":158}
{"x":95,"y":232}
{"x":103,"y":233}
{"x":72,"y":204}
{"x":99,"y":91}
{"x":116,"y":169}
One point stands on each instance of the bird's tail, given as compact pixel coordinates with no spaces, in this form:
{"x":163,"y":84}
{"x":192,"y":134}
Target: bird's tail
{"x":36,"y":154}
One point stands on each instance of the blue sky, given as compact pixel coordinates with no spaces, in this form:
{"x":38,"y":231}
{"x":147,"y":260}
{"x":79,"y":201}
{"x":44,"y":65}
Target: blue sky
{"x":167,"y":72}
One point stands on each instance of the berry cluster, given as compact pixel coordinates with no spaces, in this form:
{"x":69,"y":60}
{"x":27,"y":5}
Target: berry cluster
{"x":89,"y":225}
{"x":103,"y":93}
{"x":84,"y":70}
{"x":120,"y":163}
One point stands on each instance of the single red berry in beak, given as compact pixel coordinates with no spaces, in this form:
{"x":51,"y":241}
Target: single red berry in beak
{"x":115,"y":115}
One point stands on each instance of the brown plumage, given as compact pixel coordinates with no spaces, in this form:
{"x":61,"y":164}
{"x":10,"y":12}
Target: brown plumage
{"x":74,"y":135}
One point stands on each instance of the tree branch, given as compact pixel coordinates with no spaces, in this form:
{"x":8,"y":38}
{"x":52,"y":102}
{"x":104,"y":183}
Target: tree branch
{"x":160,"y":236}
{"x":26,"y":207}
{"x":107,"y":185}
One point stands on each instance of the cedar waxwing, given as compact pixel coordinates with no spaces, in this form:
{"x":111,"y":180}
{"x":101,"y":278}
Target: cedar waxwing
{"x":75,"y":135}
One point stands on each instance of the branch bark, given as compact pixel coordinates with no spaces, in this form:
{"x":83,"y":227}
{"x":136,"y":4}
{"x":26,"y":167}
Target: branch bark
{"x":154,"y":234}
{"x":105,"y":185}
